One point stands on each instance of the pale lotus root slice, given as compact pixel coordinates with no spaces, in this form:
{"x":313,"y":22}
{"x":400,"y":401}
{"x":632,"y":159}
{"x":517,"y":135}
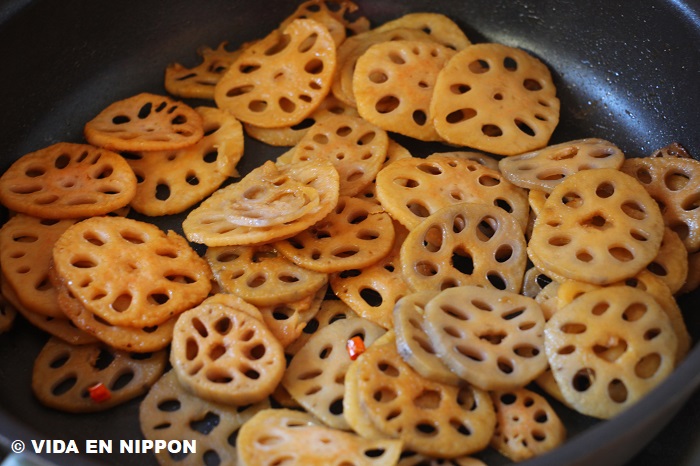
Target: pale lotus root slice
{"x":296,"y":438}
{"x":169,"y":412}
{"x":356,"y":234}
{"x":527,"y":425}
{"x":63,"y":374}
{"x":223,"y":354}
{"x":8,"y":313}
{"x":209,"y":223}
{"x":145,"y":121}
{"x":413,"y":344}
{"x":545,"y":168}
{"x":671,"y":263}
{"x":549,"y":300}
{"x":609,"y":348}
{"x":438,"y":26}
{"x":430,"y":418}
{"x":412,"y":189}
{"x":534,"y":282}
{"x":415,"y":459}
{"x":66,"y":180}
{"x":492,"y":339}
{"x":330,"y":310}
{"x":282,"y":78}
{"x":341,"y":17}
{"x":169,"y":182}
{"x":674,"y":183}
{"x":598,"y":226}
{"x":465,"y":244}
{"x":393,"y":85}
{"x":495,"y":98}
{"x":316,"y":373}
{"x":129,"y":272}
{"x":354,"y":146}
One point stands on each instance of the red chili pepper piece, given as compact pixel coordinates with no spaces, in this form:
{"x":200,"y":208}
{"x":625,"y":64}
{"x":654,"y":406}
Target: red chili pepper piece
{"x":355,"y":347}
{"x":99,"y":393}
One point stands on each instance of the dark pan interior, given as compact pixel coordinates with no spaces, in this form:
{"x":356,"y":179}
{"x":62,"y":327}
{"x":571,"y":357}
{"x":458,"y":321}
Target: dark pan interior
{"x":626,"y":72}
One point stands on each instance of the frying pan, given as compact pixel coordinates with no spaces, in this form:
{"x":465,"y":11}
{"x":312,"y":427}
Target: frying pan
{"x":625,"y":71}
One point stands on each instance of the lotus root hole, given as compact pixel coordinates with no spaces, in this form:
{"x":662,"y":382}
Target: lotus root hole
{"x":617,"y":391}
{"x":583,"y":379}
{"x":388,"y":369}
{"x":491,"y":130}
{"x":256,"y":352}
{"x":191,"y":349}
{"x":257,"y":106}
{"x":648,"y":366}
{"x":493,"y":337}
{"x":497,"y":280}
{"x":122,"y":303}
{"x":206,"y":424}
{"x":621,"y":254}
{"x":479,"y":66}
{"x":634,"y":210}
{"x":532,"y":85}
{"x":385,"y":395}
{"x":470,"y":353}
{"x":460,"y":89}
{"x":506,"y":366}
{"x":462,"y":261}
{"x":64,"y":386}
{"x":676,"y":181}
{"x":217,"y":376}
{"x":460,"y":115}
{"x":612,"y":351}
{"x":372,"y":297}
{"x":584,"y":256}
{"x":573,"y":328}
{"x":387,"y":104}
{"x":314,"y":66}
{"x":426,"y":268}
{"x":634,"y":312}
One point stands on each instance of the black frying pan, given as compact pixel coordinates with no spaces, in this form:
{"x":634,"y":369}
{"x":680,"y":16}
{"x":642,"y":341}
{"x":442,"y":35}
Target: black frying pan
{"x":626,"y":71}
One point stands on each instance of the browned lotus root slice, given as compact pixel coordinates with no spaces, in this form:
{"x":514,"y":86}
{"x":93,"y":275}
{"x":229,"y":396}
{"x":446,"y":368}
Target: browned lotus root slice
{"x":63,"y":374}
{"x":67,"y":180}
{"x":492,"y":339}
{"x":411,"y":189}
{"x":287,"y":184}
{"x":128,"y":272}
{"x":330,"y":310}
{"x":172,"y":181}
{"x":440,"y":27}
{"x":608,"y":348}
{"x":282,"y":78}
{"x":495,"y":98}
{"x":465,"y":244}
{"x":393,"y":85}
{"x":199,"y":81}
{"x":225,"y":355}
{"x":674,"y":149}
{"x":356,"y":234}
{"x":8,"y":313}
{"x":598,"y":226}
{"x":545,"y":168}
{"x":274,"y":436}
{"x":356,"y":148}
{"x":671,"y":263}
{"x":431,"y":418}
{"x":675,"y":184}
{"x":415,"y":459}
{"x":145,"y":122}
{"x":413,"y":343}
{"x":339,"y":16}
{"x":316,"y":373}
{"x":170,"y":412}
{"x":527,"y":425}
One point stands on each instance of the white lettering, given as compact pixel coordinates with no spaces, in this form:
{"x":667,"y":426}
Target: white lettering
{"x":38,"y":446}
{"x":98,"y":446}
{"x":71,"y":448}
{"x":126,"y":446}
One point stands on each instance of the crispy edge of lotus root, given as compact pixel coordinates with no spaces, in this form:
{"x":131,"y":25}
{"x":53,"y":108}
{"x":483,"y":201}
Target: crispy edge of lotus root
{"x":345,"y":12}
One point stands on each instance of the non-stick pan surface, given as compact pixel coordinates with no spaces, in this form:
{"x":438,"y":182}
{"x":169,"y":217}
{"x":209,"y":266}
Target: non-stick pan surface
{"x":627,"y":72}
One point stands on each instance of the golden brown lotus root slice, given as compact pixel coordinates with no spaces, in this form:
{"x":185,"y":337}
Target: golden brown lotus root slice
{"x":431,"y":418}
{"x":598,"y":226}
{"x":495,"y":98}
{"x":438,"y":26}
{"x":493,"y":339}
{"x":527,"y":426}
{"x":608,"y":348}
{"x":330,"y":310}
{"x":229,"y":216}
{"x":393,"y":85}
{"x":67,"y":180}
{"x":64,"y":373}
{"x":411,"y":189}
{"x":545,"y":168}
{"x":225,"y":355}
{"x":145,"y":122}
{"x":465,"y":244}
{"x":341,"y":17}
{"x":282,"y":78}
{"x":172,"y":181}
{"x":671,"y":263}
{"x":356,"y":234}
{"x":316,"y":373}
{"x":275,"y":436}
{"x":288,"y":320}
{"x":674,"y":183}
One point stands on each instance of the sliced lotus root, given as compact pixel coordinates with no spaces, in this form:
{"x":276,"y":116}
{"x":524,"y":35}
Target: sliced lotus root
{"x":492,"y":339}
{"x":431,"y":418}
{"x":229,"y":216}
{"x":548,"y":384}
{"x":339,"y":16}
{"x":465,"y":244}
{"x":63,"y":375}
{"x":282,"y":78}
{"x":534,"y":282}
{"x":527,"y":426}
{"x":671,"y":263}
{"x":261,"y":276}
{"x":8,"y":313}
{"x":315,"y":375}
{"x":692,"y":281}
{"x":330,"y":310}
{"x":440,"y":27}
{"x":67,"y":180}
{"x":172,"y":181}
{"x":608,"y":348}
{"x":674,"y":183}
{"x":295,"y":438}
{"x":413,"y":343}
{"x":393,"y":85}
{"x":495,"y":98}
{"x":545,"y":168}
{"x":128,"y":272}
{"x":411,"y":189}
{"x":145,"y":122}
{"x":549,"y":300}
{"x":223,"y":354}
{"x":356,"y":148}
{"x":356,"y":234}
{"x":478,"y":157}
{"x":415,"y":459}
